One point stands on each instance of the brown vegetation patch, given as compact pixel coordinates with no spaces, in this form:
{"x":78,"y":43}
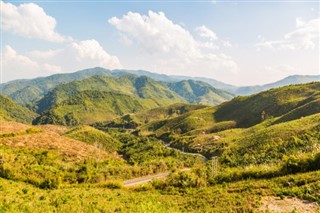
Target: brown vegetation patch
{"x":69,"y":148}
{"x":276,"y":204}
{"x":12,"y":126}
{"x":53,"y":128}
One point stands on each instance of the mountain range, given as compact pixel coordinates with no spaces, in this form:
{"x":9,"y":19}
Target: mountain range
{"x":26,"y":91}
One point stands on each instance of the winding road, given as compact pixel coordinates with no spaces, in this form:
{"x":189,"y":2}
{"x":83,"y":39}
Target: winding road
{"x":141,"y":180}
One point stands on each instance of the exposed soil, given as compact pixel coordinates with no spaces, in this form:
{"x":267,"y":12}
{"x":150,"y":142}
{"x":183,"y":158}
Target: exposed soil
{"x":276,"y":204}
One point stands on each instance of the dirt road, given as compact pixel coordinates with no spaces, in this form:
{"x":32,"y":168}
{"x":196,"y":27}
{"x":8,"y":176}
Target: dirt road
{"x":137,"y":181}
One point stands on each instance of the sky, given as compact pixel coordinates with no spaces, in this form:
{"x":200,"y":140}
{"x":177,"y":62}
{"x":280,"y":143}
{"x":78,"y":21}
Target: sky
{"x":237,"y":42}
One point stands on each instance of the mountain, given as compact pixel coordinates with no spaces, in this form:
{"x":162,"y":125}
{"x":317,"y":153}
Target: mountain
{"x":199,"y":92}
{"x":281,"y":104}
{"x":92,"y":106}
{"x":26,"y":91}
{"x":11,"y":111}
{"x":129,"y":85}
{"x":294,"y":79}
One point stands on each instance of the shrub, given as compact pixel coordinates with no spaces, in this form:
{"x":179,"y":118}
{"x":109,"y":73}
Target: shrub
{"x":50,"y":183}
{"x":112,"y":185}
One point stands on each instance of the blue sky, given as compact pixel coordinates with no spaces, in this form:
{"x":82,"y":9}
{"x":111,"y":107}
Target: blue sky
{"x":241,"y":43}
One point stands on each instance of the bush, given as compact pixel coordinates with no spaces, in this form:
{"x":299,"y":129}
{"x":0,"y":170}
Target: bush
{"x":50,"y":183}
{"x":112,"y":185}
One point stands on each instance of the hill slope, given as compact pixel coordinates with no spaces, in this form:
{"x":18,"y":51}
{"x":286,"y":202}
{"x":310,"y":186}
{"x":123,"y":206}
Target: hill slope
{"x":138,"y":87}
{"x":286,"y":103}
{"x":92,"y":106}
{"x":11,"y":111}
{"x":25,"y":91}
{"x":199,"y":92}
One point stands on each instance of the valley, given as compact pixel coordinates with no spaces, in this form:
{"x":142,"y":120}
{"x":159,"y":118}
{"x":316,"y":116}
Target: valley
{"x":74,"y":142}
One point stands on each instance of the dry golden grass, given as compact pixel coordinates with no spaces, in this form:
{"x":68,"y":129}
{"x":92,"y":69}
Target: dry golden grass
{"x":51,"y":139}
{"x":12,"y":126}
{"x":53,"y":128}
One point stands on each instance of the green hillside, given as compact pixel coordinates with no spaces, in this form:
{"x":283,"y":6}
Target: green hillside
{"x":286,"y":103}
{"x":11,"y":111}
{"x":139,"y":87}
{"x":26,"y":91}
{"x":93,"y":106}
{"x":133,"y":120}
{"x":265,"y":143}
{"x":94,"y":137}
{"x":247,"y":111}
{"x":199,"y":92}
{"x":95,"y":99}
{"x":266,"y":148}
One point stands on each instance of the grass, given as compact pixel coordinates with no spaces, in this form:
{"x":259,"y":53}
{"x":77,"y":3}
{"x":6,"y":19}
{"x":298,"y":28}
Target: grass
{"x":242,"y":196}
{"x":94,"y":137}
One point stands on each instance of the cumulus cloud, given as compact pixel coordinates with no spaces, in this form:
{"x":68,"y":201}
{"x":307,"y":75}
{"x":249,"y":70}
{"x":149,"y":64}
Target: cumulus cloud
{"x":169,"y":46}
{"x":75,"y":56}
{"x":15,"y":66}
{"x":31,"y":21}
{"x":155,"y":33}
{"x":305,"y":36}
{"x":79,"y":55}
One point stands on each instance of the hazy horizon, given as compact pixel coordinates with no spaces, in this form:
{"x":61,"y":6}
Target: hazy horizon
{"x":240,"y":43}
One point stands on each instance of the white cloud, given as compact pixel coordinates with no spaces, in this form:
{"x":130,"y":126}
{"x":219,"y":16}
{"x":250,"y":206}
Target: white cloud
{"x":75,"y":56}
{"x":19,"y":66}
{"x":155,"y":33}
{"x":210,"y":39}
{"x":169,"y":47}
{"x":31,"y":21}
{"x":205,"y":32}
{"x":78,"y":55}
{"x":305,"y":36}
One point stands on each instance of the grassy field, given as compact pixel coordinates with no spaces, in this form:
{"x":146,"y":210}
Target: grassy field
{"x":242,"y":196}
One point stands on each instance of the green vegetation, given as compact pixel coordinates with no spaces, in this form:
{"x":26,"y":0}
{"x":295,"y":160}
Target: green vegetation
{"x":286,"y":103}
{"x":133,"y":120}
{"x":27,"y":91}
{"x":243,"y":196}
{"x":92,"y":106}
{"x":94,"y":137}
{"x":263,"y":145}
{"x":102,"y":98}
{"x":11,"y":111}
{"x":50,"y":168}
{"x":199,"y":92}
{"x":137,"y":87}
